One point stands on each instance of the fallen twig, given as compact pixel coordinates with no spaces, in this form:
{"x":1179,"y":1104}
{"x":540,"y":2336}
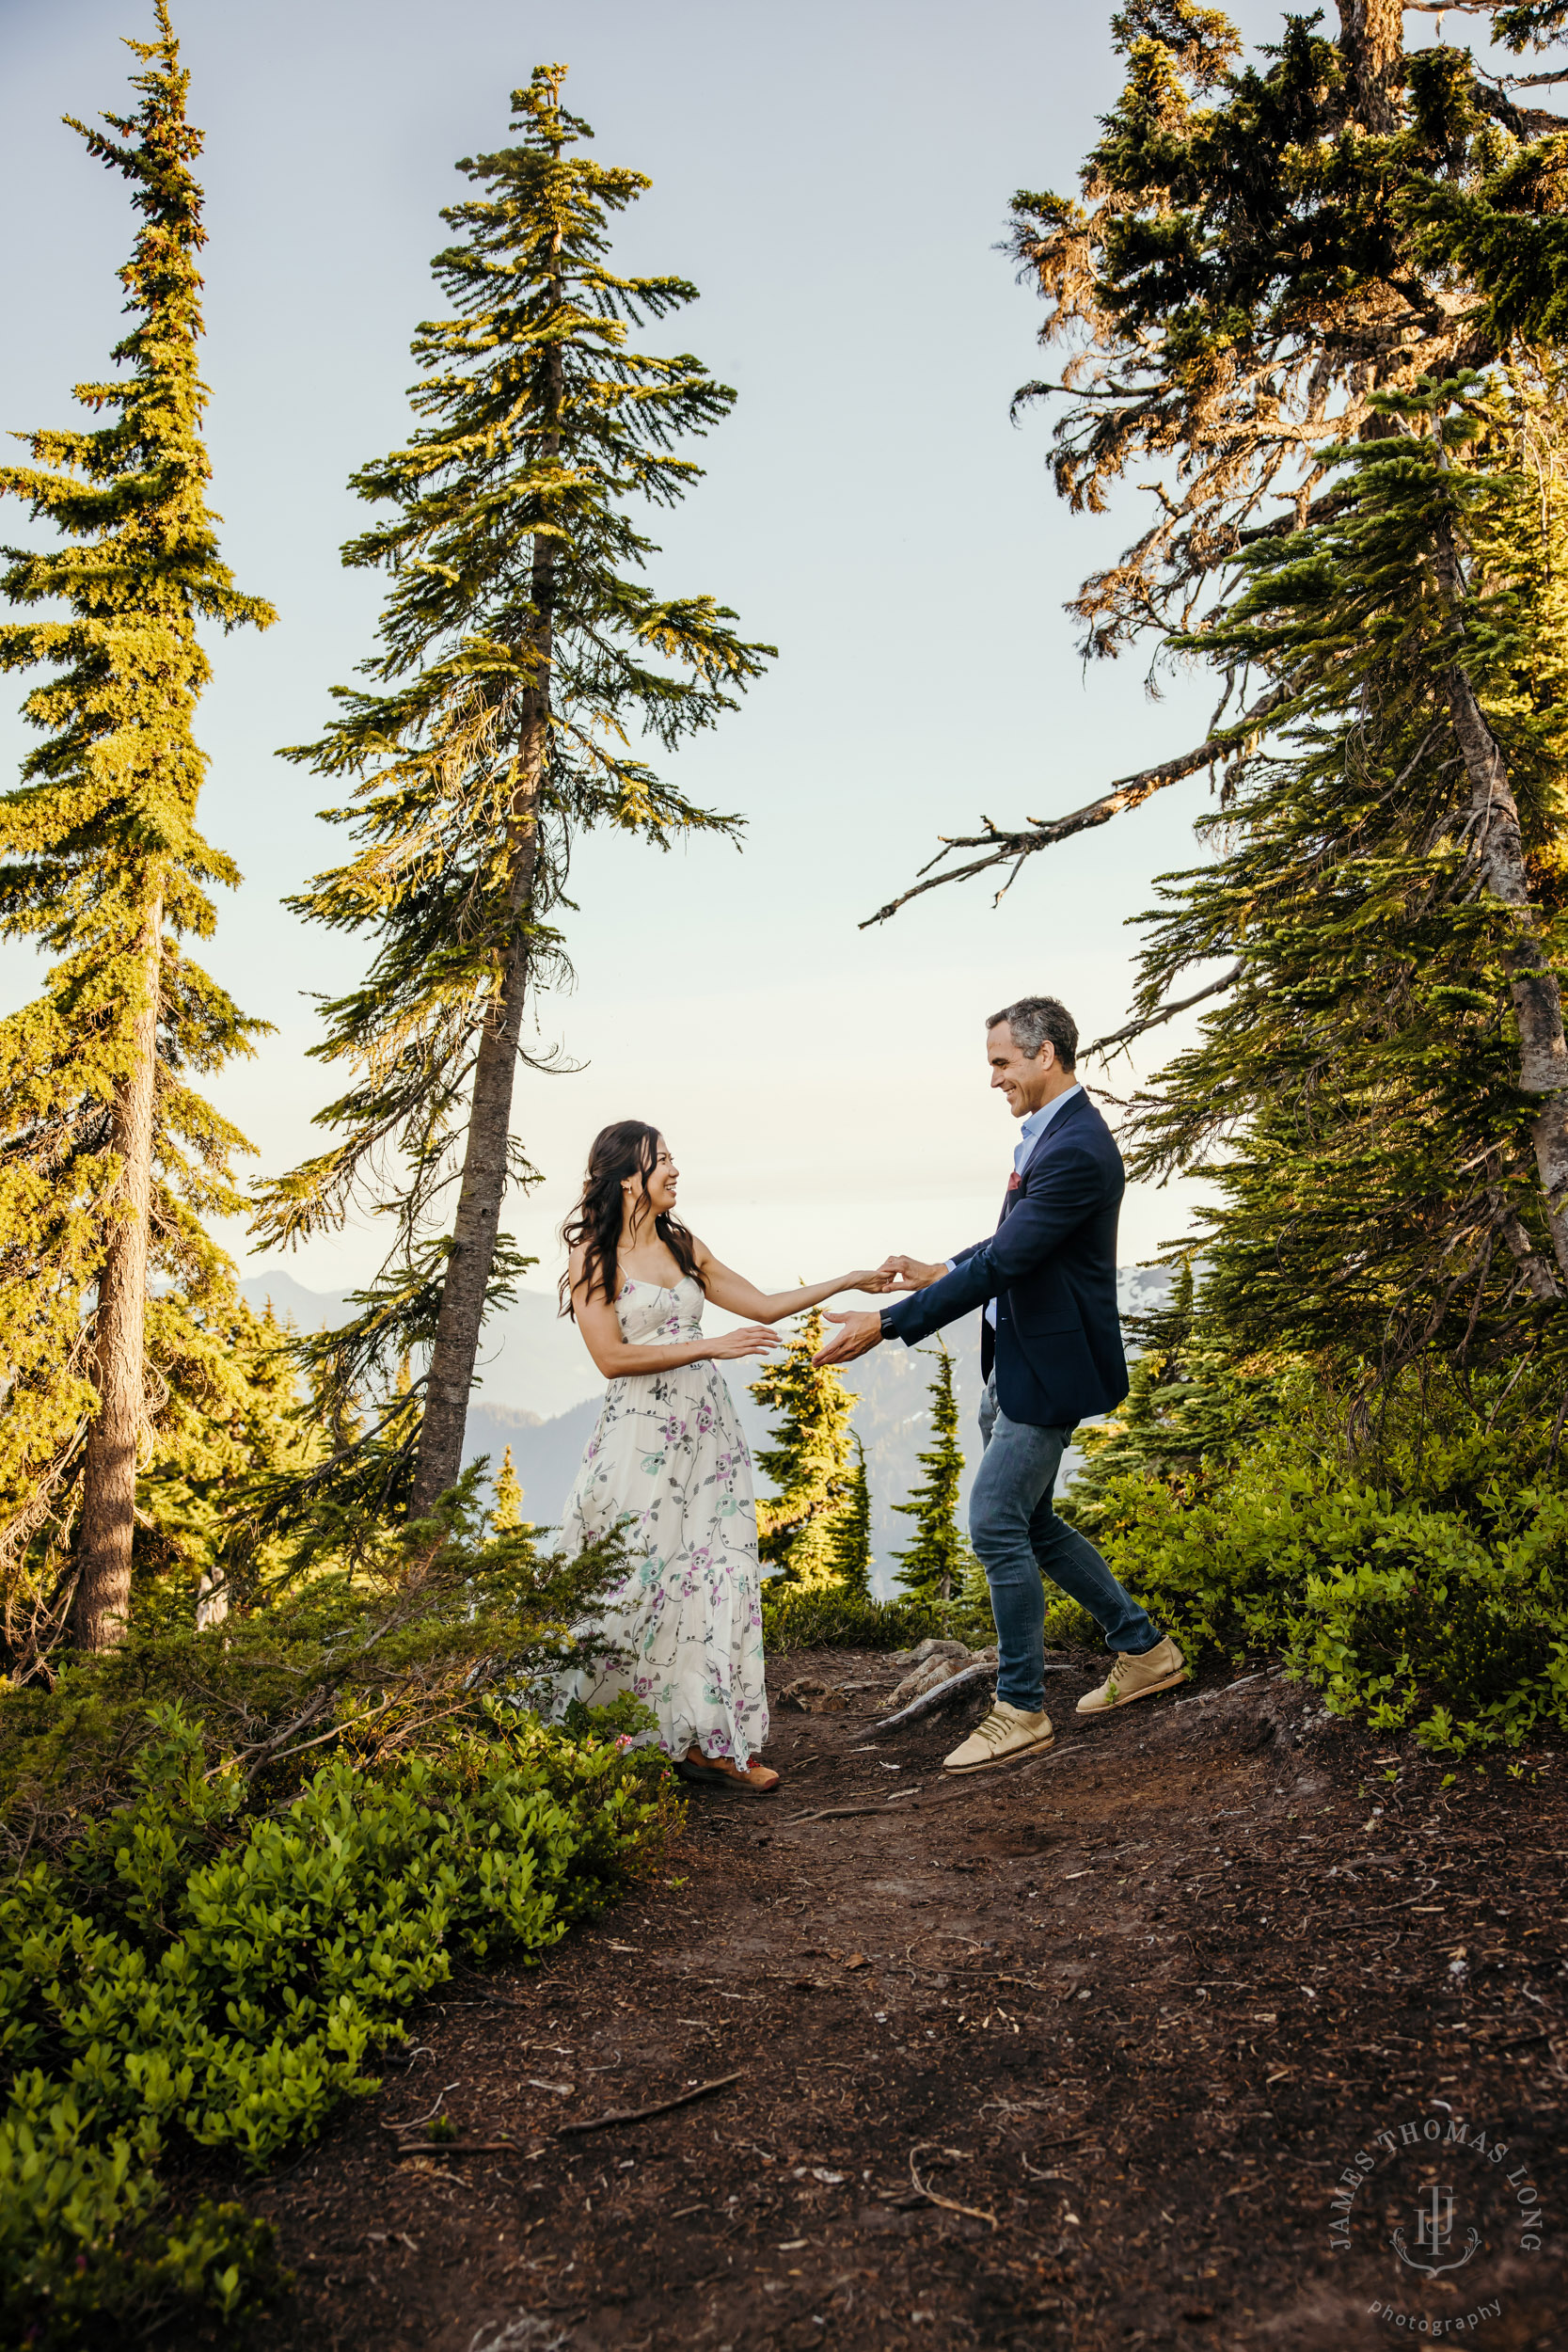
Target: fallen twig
{"x":946,"y":2203}
{"x":834,"y":1812}
{"x":660,"y":2106}
{"x":444,"y":2148}
{"x":412,"y":2123}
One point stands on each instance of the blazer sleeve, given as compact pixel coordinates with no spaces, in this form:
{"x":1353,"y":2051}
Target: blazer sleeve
{"x":923,"y":1312}
{"x":1069,"y":1188}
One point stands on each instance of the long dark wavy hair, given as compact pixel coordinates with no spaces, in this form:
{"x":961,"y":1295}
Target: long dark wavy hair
{"x":630,"y":1148}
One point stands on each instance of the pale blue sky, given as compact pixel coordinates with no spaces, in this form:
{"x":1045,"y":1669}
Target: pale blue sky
{"x":835,"y":179}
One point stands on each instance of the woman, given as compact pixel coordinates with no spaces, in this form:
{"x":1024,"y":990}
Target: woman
{"x":668,"y":1462}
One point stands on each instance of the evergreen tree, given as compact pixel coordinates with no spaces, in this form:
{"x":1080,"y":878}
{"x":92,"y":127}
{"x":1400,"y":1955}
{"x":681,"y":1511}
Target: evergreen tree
{"x":108,"y":1155}
{"x":1390,"y":1062}
{"x":937,"y":1562}
{"x":810,"y":1463}
{"x":520,"y":654}
{"x":229,"y":1419}
{"x":1258,"y":254}
{"x":508,"y":1511}
{"x":1363,"y":536}
{"x":849,"y":1539}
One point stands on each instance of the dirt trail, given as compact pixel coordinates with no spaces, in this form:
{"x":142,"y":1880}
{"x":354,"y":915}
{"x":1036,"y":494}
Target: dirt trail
{"x":1136,"y":2006}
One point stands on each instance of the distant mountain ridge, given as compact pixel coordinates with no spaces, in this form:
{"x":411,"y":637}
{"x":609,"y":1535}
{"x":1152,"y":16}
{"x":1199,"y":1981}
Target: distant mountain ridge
{"x":546,"y":1445}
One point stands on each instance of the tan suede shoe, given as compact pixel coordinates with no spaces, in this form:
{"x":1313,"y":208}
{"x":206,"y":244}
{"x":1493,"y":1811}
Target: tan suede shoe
{"x":1007,"y":1736}
{"x":1136,"y":1677}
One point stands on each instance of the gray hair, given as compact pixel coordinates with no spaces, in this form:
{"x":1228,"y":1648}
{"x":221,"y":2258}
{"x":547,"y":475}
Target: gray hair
{"x":1034,"y":1019}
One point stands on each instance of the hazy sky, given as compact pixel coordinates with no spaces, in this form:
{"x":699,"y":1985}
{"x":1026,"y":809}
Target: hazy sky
{"x":835,"y":179}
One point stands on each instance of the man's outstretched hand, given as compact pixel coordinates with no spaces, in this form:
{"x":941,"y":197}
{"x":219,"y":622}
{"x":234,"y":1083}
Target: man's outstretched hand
{"x":858,"y":1333}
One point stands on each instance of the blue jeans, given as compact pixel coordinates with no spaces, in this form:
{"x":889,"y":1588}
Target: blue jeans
{"x":1019,"y":1540}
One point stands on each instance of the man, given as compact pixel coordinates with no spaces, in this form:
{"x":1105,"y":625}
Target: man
{"x":1050,"y":1353}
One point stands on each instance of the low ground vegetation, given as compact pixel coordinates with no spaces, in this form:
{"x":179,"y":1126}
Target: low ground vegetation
{"x":223,"y":1903}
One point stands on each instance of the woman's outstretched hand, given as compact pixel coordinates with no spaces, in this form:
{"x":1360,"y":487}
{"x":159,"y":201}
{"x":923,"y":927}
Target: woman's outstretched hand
{"x":880,"y":1278}
{"x":750,"y":1339}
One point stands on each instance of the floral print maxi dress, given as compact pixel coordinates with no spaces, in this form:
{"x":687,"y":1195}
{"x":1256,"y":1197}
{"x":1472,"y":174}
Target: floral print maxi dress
{"x":669,"y":1462}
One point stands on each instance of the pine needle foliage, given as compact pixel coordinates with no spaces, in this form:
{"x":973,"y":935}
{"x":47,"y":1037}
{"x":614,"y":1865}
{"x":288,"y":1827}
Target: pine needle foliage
{"x":521,"y":663}
{"x":1395,"y":1181}
{"x":108,"y":1155}
{"x":936,"y":1564}
{"x":1251,"y":260}
{"x":810,"y":1463}
{"x":1258,"y":253}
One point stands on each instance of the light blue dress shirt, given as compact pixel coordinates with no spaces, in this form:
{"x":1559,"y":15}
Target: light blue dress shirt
{"x":1029,"y":1133}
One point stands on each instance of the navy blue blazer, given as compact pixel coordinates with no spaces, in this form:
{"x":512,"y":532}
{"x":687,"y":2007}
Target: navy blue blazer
{"x":1051,"y":1265}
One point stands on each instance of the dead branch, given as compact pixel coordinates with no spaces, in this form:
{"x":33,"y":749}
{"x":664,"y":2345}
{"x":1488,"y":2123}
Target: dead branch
{"x":1128,"y":792}
{"x":1166,"y":1013}
{"x":660,"y":2106}
{"x":929,"y":1701}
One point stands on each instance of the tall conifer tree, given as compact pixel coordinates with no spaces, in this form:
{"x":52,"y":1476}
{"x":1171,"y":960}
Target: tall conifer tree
{"x":104,"y":1149}
{"x":849,"y":1541}
{"x":809,"y":1462}
{"x":1281,"y":281}
{"x":935,"y":1565}
{"x":520,"y":654}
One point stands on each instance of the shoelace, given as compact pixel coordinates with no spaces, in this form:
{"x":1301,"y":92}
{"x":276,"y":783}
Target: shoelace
{"x":994,"y":1729}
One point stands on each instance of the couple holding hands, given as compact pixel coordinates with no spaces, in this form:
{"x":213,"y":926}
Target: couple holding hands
{"x":669,"y":1465}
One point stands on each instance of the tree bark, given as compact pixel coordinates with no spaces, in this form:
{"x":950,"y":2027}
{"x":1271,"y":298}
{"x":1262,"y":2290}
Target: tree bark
{"x":101,"y":1607}
{"x":1372,"y":37}
{"x":472,"y":1250}
{"x":1496,"y":842}
{"x":486,"y":1160}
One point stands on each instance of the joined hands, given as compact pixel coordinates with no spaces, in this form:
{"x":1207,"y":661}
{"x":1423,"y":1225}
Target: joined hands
{"x":907,"y":1274}
{"x":858,"y":1333}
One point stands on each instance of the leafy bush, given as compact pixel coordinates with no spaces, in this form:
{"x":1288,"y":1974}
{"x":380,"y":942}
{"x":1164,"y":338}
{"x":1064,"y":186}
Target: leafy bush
{"x":831,"y":1617}
{"x":194,"y":1970}
{"x":1418,"y":1575}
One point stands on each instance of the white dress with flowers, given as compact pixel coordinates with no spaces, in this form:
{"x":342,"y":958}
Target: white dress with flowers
{"x":668,"y":1462}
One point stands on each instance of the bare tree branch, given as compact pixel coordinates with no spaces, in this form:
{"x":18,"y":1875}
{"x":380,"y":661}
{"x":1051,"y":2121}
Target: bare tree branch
{"x":1166,"y":1013}
{"x":1128,"y":792}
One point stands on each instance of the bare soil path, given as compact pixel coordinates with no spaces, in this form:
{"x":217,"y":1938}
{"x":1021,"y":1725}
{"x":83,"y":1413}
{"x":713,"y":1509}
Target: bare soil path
{"x":1093,"y":2052}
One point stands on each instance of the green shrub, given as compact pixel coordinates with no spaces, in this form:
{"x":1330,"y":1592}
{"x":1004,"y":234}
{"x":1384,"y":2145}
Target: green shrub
{"x":193,"y":1970}
{"x":831,"y":1617}
{"x":386,"y":1642}
{"x":1419,"y":1578}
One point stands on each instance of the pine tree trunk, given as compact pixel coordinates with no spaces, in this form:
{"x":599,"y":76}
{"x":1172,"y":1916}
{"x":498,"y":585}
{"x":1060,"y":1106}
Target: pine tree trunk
{"x":101,"y":1607}
{"x":1496,"y":841}
{"x":484,"y":1170}
{"x":1532,"y":983}
{"x":1372,"y":37}
{"x":449,"y":1382}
